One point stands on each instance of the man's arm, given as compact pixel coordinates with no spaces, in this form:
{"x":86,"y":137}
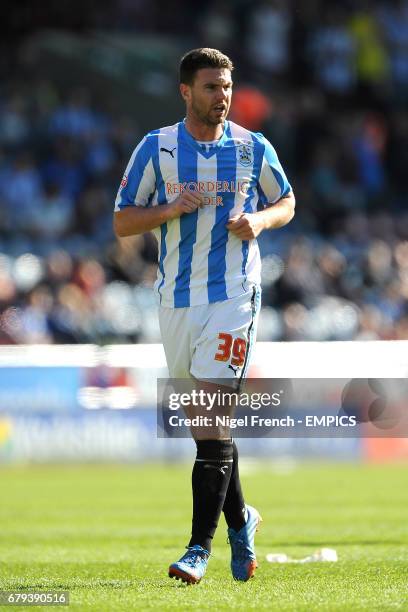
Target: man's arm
{"x":247,"y":226}
{"x":138,"y":220}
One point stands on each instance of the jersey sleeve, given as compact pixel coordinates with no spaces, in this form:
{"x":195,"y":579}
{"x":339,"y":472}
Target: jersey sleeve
{"x":272,"y":182}
{"x":139,"y":181}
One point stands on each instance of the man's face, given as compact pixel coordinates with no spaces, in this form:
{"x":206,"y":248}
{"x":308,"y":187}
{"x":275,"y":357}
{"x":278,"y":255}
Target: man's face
{"x":209,"y":97}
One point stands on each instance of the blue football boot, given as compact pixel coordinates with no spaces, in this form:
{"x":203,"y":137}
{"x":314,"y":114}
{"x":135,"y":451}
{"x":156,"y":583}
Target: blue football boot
{"x":243,"y":559}
{"x":192,"y":565}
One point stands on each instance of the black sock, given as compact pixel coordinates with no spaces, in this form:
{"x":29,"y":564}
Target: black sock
{"x":234,"y":505}
{"x":210,"y":478}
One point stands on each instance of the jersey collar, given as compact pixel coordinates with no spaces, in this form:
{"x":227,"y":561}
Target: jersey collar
{"x":187,"y":137}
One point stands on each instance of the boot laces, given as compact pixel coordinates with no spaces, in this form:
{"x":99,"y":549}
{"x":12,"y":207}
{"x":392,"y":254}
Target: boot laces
{"x":193,"y":556}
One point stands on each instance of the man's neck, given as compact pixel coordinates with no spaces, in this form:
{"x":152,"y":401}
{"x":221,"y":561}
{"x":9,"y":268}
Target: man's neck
{"x":202,"y":132}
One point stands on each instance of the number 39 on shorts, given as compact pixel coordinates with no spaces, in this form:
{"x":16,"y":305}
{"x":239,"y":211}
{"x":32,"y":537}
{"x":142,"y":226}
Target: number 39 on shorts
{"x":231,"y":349}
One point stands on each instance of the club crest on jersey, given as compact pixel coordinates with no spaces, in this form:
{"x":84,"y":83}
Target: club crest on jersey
{"x":124,"y":181}
{"x":245,"y":154}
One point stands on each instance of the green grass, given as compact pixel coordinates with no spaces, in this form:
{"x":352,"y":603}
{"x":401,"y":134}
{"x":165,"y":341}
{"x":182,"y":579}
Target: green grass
{"x":108,"y":533}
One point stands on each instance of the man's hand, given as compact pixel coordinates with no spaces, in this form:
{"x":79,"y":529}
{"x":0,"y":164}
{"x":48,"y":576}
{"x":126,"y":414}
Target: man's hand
{"x":187,"y":202}
{"x":246,"y":226}
{"x":134,"y":220}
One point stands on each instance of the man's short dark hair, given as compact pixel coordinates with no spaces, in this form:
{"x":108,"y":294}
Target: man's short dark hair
{"x":197,"y":59}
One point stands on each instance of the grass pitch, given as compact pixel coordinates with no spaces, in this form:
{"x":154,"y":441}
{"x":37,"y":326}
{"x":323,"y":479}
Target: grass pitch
{"x":108,"y":533}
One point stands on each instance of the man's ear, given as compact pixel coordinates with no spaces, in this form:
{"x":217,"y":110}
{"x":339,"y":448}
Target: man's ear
{"x":185,"y":91}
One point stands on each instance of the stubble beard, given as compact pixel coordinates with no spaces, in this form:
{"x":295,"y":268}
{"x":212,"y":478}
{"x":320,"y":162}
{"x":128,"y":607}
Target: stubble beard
{"x":206,"y":117}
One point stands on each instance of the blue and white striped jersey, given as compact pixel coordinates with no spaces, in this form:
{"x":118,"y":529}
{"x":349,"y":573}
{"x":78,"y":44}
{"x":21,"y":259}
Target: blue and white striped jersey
{"x":200,"y":261}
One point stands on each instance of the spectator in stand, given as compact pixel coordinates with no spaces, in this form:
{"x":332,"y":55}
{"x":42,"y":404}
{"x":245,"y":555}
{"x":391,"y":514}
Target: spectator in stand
{"x":20,"y":185}
{"x":393,"y":16}
{"x":65,"y":167}
{"x":332,"y":52}
{"x":268,"y":37}
{"x":372,"y":60}
{"x":50,"y":216}
{"x":14,"y":124}
{"x":75,"y":119}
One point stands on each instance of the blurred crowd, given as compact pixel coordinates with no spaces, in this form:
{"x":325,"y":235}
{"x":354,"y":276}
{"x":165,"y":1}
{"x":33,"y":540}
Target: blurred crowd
{"x":327,"y":84}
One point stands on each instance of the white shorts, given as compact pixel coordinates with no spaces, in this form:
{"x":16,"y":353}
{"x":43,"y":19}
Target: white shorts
{"x":211,"y":340}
